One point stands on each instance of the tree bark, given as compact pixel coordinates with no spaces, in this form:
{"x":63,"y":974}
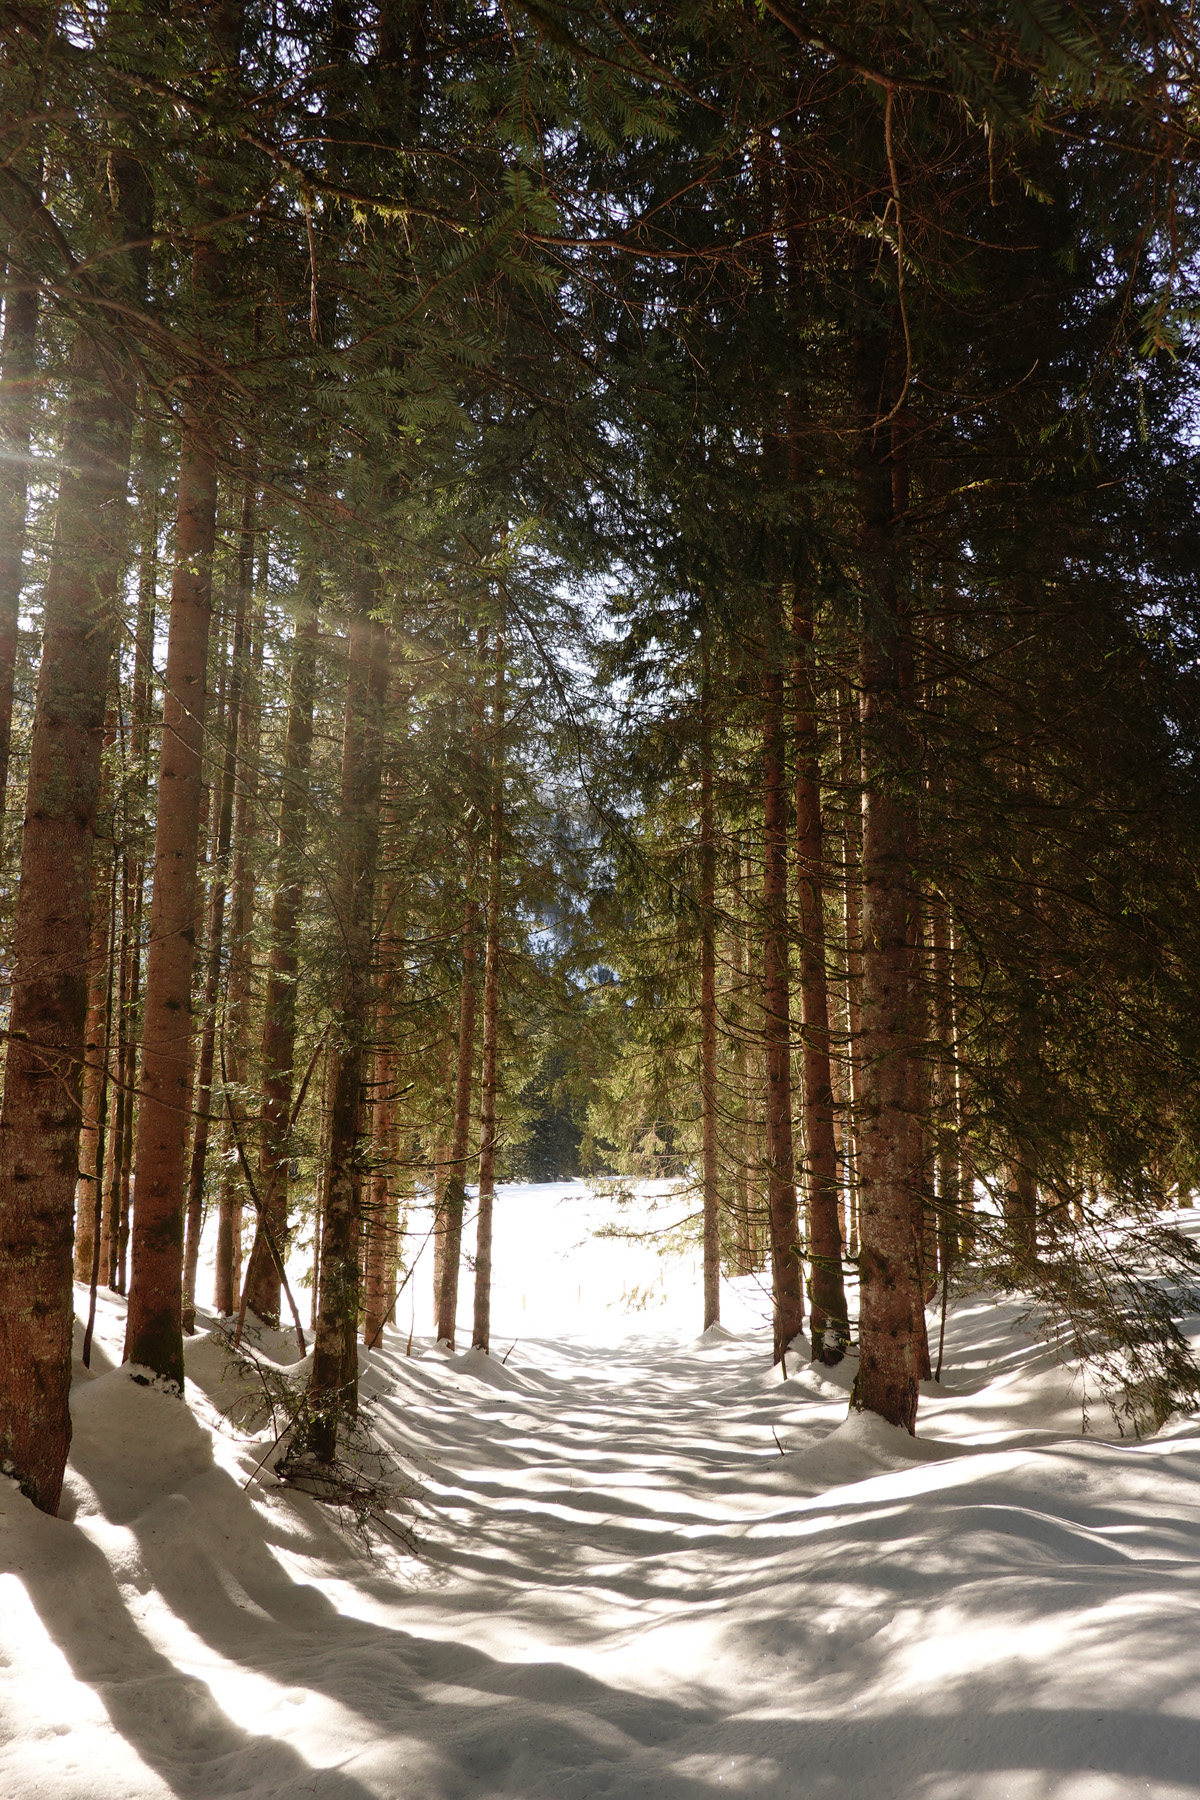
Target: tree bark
{"x":154,"y":1329}
{"x":739,"y":965}
{"x":481,"y":1336}
{"x":441,"y":1163}
{"x":236,"y":1056}
{"x":710,"y":1177}
{"x":324,"y":1111}
{"x":788,"y":1292}
{"x":39,"y":1118}
{"x":333,"y":1390}
{"x":829,"y":1321}
{"x":117,"y":1209}
{"x":455,"y":1193}
{"x":122,"y":1100}
{"x":851,"y":775}
{"x":383,"y":1210}
{"x":892,"y":1317}
{"x":90,"y":1180}
{"x":944,"y":1096}
{"x":92,"y":1203}
{"x":220,"y":840}
{"x":154,"y":1326}
{"x":283,"y":964}
{"x":18,"y":390}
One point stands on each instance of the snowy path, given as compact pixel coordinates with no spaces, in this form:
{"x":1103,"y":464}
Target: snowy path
{"x":623,"y":1589}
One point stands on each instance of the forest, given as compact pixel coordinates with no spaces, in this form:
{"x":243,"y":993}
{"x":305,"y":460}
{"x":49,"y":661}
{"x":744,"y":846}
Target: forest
{"x":595,"y":600}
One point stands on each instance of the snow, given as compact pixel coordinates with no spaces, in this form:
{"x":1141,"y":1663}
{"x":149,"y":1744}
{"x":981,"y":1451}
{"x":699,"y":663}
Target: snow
{"x":647,"y":1566}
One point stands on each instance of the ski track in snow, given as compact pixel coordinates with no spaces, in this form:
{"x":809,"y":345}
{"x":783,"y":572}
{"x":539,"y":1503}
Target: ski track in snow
{"x":623,"y":1588}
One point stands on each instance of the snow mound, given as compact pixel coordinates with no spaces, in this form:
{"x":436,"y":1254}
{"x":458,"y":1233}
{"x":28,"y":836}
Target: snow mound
{"x":716,"y":1334}
{"x":132,"y":1442}
{"x":489,"y":1370}
{"x":858,"y":1450}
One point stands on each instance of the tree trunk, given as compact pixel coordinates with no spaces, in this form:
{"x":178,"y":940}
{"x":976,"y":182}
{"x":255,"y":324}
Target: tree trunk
{"x":891,"y":1322}
{"x":122,"y":1102}
{"x":781,"y":1184}
{"x":235,"y":1070}
{"x":708,"y":1012}
{"x":333,"y":1390}
{"x":382,"y":1211}
{"x":324,"y":1111}
{"x":39,"y":1119}
{"x":220,"y":839}
{"x":441,"y":1166}
{"x":481,"y":1335}
{"x":154,"y":1326}
{"x":18,"y":389}
{"x":154,"y":1329}
{"x":455,"y":1193}
{"x":283,"y":964}
{"x":739,"y":961}
{"x":117,"y":1210}
{"x":90,"y":1180}
{"x":851,"y":774}
{"x":944,"y":1097}
{"x":93,"y":1203}
{"x":1020,"y":1205}
{"x":829,"y":1321}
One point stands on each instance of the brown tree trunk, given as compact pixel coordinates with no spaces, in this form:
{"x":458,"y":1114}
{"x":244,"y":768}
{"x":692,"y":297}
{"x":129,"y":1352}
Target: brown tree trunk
{"x":829,"y":1321}
{"x":781,"y":1182}
{"x":93,"y":1203}
{"x":1020,"y":1206}
{"x":39,"y":1119}
{"x":333,"y":1390}
{"x":283,"y":963}
{"x":220,"y":839}
{"x":481,"y":1336}
{"x":122,"y":1093}
{"x":382,"y":1209}
{"x":324,"y":1111}
{"x":920,"y":1103}
{"x":115,"y":1238}
{"x":755,"y":1085}
{"x":154,"y":1329}
{"x":235,"y":1069}
{"x":455,"y":1193}
{"x":738,"y":960}
{"x":154,"y":1325}
{"x":90,"y":1192}
{"x":944,"y":1096}
{"x":441,"y":1165}
{"x":892,"y":1317}
{"x":851,"y":774}
{"x":18,"y":388}
{"x":708,"y":1012}
{"x":117,"y":1207}
{"x":90,"y":1180}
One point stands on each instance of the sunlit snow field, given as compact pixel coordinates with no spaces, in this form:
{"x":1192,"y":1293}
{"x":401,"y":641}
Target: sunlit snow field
{"x":647,"y":1566}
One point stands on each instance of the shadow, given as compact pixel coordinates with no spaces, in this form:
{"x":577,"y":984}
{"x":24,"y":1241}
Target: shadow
{"x":168,"y":1718}
{"x":993,"y":1625}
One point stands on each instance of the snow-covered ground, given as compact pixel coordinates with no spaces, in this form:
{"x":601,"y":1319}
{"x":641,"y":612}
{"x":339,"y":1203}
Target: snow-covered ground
{"x":647,"y":1566}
